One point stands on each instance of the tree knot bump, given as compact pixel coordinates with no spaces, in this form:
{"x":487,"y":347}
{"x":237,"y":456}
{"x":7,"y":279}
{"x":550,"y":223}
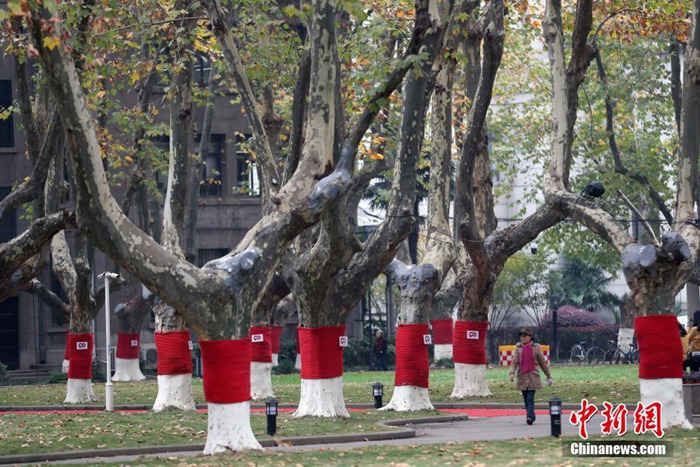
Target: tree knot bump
{"x":237,"y":267}
{"x":330,"y":187}
{"x":676,"y":246}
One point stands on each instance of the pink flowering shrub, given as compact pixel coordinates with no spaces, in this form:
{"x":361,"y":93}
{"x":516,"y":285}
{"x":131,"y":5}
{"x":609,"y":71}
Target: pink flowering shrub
{"x":571,"y":317}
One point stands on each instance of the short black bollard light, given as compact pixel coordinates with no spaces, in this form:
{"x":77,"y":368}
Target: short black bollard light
{"x":378,"y":392}
{"x":271,"y":411}
{"x":555,"y":416}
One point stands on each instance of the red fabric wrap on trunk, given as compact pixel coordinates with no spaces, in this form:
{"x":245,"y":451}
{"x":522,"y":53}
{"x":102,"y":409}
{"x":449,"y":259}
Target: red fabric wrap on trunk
{"x":442,"y":331}
{"x":321,"y":353}
{"x":66,"y":354}
{"x":412,"y":360}
{"x":472,"y":350}
{"x":660,"y":350}
{"x":125,"y":349}
{"x":174,"y":354}
{"x":276,"y":338}
{"x":261,"y":350}
{"x":80,"y":356}
{"x":226,"y":370}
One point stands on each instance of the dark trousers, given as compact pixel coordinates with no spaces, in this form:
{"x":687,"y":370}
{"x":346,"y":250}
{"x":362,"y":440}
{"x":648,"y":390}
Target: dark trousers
{"x":529,"y":397}
{"x":380,"y":361}
{"x":691,"y":365}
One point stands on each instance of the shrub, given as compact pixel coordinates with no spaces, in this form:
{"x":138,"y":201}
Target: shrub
{"x":3,"y":373}
{"x":445,"y":363}
{"x":57,"y":378}
{"x":571,"y":317}
{"x":284,"y":367}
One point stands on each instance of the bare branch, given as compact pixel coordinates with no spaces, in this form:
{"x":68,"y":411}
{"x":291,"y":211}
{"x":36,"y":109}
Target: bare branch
{"x":237,"y":72}
{"x":636,"y":212}
{"x":615,"y":150}
{"x":421,"y":26}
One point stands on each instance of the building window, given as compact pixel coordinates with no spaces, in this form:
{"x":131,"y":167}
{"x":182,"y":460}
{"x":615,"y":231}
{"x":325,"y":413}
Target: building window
{"x":204,"y":255}
{"x":162,"y":143}
{"x":7,"y":134}
{"x":8,"y":226}
{"x":201,"y":69}
{"x":246,"y":175}
{"x":56,"y":319}
{"x":211,"y":184}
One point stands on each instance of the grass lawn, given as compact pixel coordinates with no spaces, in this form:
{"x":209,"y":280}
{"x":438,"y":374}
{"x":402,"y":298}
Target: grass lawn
{"x":53,"y":432}
{"x":539,"y":451}
{"x":571,"y":383}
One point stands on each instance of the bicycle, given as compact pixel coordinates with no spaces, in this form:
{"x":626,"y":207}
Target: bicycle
{"x":595,"y":355}
{"x":579,"y":354}
{"x":631,"y":356}
{"x":610,"y":352}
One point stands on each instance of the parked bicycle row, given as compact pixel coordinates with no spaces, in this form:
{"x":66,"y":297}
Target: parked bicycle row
{"x":592,"y":354}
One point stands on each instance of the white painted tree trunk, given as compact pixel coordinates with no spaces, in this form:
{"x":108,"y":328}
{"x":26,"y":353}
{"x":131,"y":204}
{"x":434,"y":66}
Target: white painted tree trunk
{"x":409,"y":399}
{"x":624,"y":338}
{"x":229,"y":428}
{"x":79,"y":390}
{"x":470,"y":381}
{"x":297,"y":362}
{"x":442,"y":351}
{"x":261,"y":381}
{"x":275,"y":359}
{"x":65,"y":366}
{"x":127,"y":369}
{"x":174,"y":391}
{"x":322,"y":398}
{"x":668,"y":391}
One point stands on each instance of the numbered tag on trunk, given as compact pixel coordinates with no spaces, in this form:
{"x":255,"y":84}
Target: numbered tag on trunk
{"x":473,"y":335}
{"x":427,"y":339}
{"x":81,"y":345}
{"x":257,"y":338}
{"x":190,"y":345}
{"x":134,"y":343}
{"x":343,"y":341}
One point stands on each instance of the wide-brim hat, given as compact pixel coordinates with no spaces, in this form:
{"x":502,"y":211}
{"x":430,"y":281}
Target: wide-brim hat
{"x":527,"y":331}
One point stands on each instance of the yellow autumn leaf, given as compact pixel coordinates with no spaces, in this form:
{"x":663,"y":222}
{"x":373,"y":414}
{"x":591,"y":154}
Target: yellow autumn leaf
{"x":51,"y":42}
{"x":128,"y":159}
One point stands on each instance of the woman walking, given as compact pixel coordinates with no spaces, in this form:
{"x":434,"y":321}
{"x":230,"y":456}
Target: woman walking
{"x":527,"y":356}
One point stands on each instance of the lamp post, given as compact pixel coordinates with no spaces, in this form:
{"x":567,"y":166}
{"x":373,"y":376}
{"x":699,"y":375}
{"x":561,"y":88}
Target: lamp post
{"x":109,"y":396}
{"x":555,"y":416}
{"x":271,"y":412}
{"x":378,"y":392}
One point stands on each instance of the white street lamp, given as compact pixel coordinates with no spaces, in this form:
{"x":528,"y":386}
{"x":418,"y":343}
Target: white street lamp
{"x":109,"y":399}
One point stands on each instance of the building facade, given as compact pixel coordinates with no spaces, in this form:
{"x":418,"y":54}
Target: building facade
{"x":31,"y":336}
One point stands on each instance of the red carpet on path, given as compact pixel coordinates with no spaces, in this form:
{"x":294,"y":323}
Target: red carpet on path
{"x":475,"y":412}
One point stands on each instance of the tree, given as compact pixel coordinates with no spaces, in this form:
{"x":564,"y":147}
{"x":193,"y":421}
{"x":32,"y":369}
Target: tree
{"x":215,"y":299}
{"x":488,"y":250}
{"x":582,"y":285}
{"x":656,"y":271}
{"x":520,"y":288}
{"x":330,"y":277}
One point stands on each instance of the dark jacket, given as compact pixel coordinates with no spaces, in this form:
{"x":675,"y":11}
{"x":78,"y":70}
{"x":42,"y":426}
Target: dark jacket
{"x":531,"y":379}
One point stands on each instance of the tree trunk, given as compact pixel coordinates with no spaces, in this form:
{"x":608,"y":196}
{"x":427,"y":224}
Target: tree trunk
{"x":418,"y":285}
{"x":174,"y":380}
{"x":130,"y":316}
